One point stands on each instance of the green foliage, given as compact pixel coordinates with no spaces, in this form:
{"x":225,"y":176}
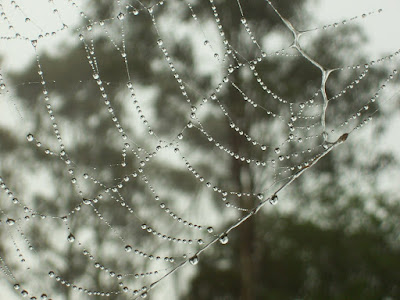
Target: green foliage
{"x":300,"y":260}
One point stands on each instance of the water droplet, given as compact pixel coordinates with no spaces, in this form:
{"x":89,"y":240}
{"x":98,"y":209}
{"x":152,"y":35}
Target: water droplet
{"x":121,"y":16}
{"x":29,"y":137}
{"x":143,"y":295}
{"x":224,"y":239}
{"x":10,"y":221}
{"x":277,"y":150}
{"x":24,"y":293}
{"x":260,"y":196}
{"x":274,"y":200}
{"x":210,"y":229}
{"x":71,"y":238}
{"x":87,"y":201}
{"x":325,"y":135}
{"x":194,"y":260}
{"x":2,"y":86}
{"x":16,"y":286}
{"x":180,"y":136}
{"x":128,"y":248}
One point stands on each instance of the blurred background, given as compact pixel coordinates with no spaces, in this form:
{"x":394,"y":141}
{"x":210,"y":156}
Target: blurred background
{"x":132,"y":134}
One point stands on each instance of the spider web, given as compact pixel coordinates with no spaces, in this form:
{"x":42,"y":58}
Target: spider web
{"x":89,"y":209}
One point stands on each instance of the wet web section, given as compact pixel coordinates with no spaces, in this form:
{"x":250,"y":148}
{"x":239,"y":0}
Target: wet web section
{"x":158,"y":226}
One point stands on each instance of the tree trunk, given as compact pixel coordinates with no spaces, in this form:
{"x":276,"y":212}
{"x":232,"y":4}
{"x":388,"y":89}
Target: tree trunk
{"x":240,"y":172}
